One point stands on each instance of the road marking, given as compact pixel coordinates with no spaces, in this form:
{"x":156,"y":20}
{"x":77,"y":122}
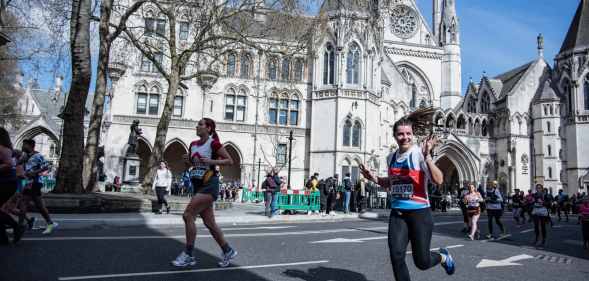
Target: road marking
{"x":259,"y":227}
{"x":325,"y":231}
{"x":504,"y":262}
{"x":497,"y":239}
{"x":437,"y":249}
{"x":347,"y":240}
{"x":574,"y":242}
{"x":261,"y":234}
{"x":527,"y":230}
{"x":87,"y":277}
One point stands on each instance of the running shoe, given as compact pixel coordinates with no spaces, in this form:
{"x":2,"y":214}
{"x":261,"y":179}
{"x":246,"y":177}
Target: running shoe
{"x":489,"y":236}
{"x":449,"y":265}
{"x":31,"y":223}
{"x":17,"y":235}
{"x":50,"y":228}
{"x":227,"y":257}
{"x":184,"y":260}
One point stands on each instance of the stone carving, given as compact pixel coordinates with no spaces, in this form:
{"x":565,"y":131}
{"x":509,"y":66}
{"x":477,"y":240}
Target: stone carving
{"x":133,"y":137}
{"x":404,"y":21}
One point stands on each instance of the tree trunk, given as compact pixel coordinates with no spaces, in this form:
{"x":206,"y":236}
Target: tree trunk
{"x":162,"y":127}
{"x":89,"y":174}
{"x":69,"y":173}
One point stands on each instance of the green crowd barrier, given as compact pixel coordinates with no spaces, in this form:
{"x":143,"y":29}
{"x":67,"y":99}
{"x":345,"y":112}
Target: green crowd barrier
{"x":252,"y":196}
{"x":300,"y":202}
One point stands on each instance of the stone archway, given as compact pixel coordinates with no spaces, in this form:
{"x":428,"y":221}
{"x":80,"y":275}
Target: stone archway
{"x":46,"y":142}
{"x":452,"y":156}
{"x":232,"y":173}
{"x":174,"y":156}
{"x":451,"y":176}
{"x":144,"y":152}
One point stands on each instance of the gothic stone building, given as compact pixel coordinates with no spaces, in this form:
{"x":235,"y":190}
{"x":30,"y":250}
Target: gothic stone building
{"x":366,"y":68}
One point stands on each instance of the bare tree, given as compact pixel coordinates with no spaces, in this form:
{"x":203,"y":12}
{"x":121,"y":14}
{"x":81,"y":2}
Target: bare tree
{"x":215,"y":29}
{"x":70,"y":163}
{"x":276,"y":154}
{"x":108,"y":33}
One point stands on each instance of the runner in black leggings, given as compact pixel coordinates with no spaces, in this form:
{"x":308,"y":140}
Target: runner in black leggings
{"x":410,"y":170}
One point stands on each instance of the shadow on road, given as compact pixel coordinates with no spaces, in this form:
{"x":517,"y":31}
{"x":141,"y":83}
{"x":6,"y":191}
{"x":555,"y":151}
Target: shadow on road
{"x":325,"y":274}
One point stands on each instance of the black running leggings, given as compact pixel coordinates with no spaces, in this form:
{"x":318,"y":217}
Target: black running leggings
{"x":496,"y":214}
{"x":540,"y":226}
{"x":415,"y":226}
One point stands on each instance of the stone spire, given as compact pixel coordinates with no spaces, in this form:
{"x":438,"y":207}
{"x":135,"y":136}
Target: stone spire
{"x":578,"y":35}
{"x":449,"y":37}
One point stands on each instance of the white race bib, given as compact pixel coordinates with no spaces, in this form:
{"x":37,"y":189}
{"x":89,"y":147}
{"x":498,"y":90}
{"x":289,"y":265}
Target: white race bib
{"x":402,"y":190}
{"x":198,"y":172}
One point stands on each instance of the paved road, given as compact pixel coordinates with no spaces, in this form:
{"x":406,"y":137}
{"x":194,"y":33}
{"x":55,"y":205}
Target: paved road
{"x":347,"y":251}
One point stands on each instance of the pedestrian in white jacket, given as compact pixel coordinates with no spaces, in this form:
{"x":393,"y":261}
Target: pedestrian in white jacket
{"x":162,"y":183}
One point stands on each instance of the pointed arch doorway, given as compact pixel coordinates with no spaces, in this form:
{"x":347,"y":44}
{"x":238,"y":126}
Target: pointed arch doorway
{"x":232,"y":173}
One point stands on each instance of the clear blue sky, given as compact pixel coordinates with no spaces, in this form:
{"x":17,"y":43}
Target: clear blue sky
{"x":496,"y":35}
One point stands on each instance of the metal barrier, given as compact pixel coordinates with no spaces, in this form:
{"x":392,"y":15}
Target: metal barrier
{"x":252,"y":196}
{"x":301,"y":201}
{"x":48,"y":184}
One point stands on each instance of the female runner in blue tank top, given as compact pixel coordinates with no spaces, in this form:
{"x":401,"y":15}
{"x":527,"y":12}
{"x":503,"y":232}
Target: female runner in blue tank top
{"x":410,"y":168}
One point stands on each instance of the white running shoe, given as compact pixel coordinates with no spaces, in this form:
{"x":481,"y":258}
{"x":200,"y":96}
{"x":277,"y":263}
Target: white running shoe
{"x":184,"y":260}
{"x":50,"y":228}
{"x":227,"y":257}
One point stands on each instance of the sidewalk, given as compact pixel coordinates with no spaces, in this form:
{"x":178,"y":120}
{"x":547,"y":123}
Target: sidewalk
{"x":239,"y":214}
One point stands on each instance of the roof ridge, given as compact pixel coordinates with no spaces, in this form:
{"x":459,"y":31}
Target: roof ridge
{"x":578,"y":32}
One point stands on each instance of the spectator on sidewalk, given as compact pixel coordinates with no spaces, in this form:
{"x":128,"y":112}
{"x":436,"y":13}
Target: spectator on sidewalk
{"x":347,"y":183}
{"x":322,"y":196}
{"x":162,"y":183}
{"x":270,"y":186}
{"x":331,"y":188}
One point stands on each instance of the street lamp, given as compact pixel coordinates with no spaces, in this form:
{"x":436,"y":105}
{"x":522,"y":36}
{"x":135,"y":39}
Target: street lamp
{"x":290,"y":138}
{"x":206,"y":79}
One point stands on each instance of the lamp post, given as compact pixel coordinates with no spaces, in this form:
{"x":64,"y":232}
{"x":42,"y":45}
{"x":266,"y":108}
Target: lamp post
{"x":206,"y":79}
{"x":258,"y":181}
{"x":290,"y":138}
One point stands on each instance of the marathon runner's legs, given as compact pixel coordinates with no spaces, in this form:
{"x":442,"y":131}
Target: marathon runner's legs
{"x":415,"y":226}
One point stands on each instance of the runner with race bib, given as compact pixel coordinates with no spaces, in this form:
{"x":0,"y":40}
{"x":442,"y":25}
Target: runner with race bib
{"x":411,"y":168}
{"x":205,"y":154}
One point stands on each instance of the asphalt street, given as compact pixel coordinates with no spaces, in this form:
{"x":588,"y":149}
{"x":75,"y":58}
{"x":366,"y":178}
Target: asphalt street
{"x":348,"y":251}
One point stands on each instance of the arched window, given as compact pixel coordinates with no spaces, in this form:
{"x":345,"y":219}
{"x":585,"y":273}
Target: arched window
{"x":245,"y":67}
{"x":472,"y":105}
{"x":235,"y":105}
{"x":461,"y":123}
{"x":154,"y":101}
{"x":545,"y":110}
{"x":294,"y":110}
{"x":273,"y":110}
{"x":298,"y":70}
{"x":329,"y":65}
{"x":549,"y":172}
{"x":356,"y":134}
{"x":284,"y":110}
{"x":485,"y":103}
{"x":285,"y":69}
{"x":272,"y":68}
{"x":484,"y":128}
{"x":568,"y":95}
{"x":231,"y":65}
{"x":141,"y":107}
{"x":353,"y":65}
{"x":178,"y":104}
{"x":549,"y":148}
{"x":347,"y":132}
{"x":548,"y":126}
{"x":551,"y":109}
{"x":586,"y":92}
{"x":450,"y":122}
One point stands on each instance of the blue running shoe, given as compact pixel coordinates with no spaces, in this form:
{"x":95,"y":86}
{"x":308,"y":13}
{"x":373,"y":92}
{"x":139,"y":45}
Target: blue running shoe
{"x":449,"y":265}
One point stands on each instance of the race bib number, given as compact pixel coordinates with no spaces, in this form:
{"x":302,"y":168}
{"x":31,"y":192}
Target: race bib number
{"x":402,"y":190}
{"x":198,"y":173}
